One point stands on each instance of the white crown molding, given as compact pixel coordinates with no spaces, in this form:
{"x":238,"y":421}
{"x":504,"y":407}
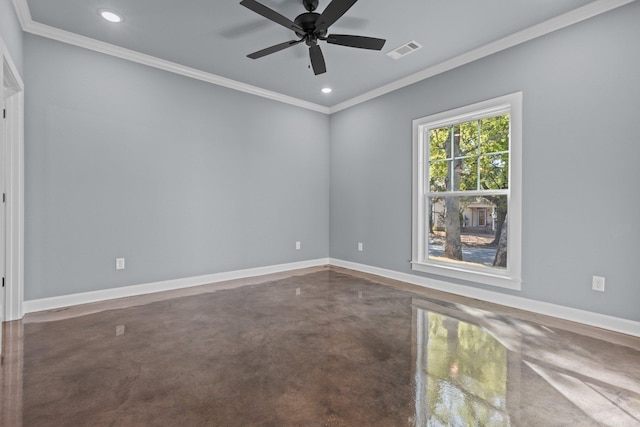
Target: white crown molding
{"x":561,"y":21}
{"x":67,"y":37}
{"x":23,"y":12}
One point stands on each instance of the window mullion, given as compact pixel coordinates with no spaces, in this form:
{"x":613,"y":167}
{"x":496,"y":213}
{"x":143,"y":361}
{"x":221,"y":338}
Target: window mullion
{"x":478,"y":153}
{"x":452,"y":167}
{"x":426,"y":170}
{"x":478,"y":193}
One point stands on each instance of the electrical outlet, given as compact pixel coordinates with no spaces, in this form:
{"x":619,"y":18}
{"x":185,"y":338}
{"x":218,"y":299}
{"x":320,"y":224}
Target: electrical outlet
{"x":119,"y":263}
{"x":298,"y":245}
{"x":360,"y":246}
{"x":598,"y":283}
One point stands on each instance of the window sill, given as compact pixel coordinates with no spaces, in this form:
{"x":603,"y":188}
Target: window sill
{"x":486,"y":278}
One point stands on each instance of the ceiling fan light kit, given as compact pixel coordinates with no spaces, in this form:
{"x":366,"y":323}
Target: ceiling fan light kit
{"x":311,"y":27}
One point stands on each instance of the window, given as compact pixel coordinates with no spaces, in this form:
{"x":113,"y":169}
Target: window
{"x":467,"y":192}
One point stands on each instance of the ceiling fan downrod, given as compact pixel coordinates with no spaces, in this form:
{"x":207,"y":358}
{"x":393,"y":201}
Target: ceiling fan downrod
{"x":310,"y":5}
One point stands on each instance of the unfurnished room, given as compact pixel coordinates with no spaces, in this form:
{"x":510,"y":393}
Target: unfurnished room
{"x":320,"y":213}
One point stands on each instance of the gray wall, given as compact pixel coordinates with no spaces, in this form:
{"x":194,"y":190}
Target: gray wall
{"x":11,"y":33}
{"x":180,"y":177}
{"x":581,"y":204}
{"x":185,"y":178}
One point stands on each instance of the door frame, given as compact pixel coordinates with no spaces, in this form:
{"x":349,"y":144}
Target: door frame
{"x":12,"y":96}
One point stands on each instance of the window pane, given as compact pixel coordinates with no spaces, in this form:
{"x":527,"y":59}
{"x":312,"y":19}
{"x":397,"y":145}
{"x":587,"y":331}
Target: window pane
{"x":468,"y":230}
{"x":494,"y":134}
{"x":494,"y":172}
{"x":438,"y":143}
{"x":468,"y":173}
{"x":438,"y":176}
{"x":466,"y":139}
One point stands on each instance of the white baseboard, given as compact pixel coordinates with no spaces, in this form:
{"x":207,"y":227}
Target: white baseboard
{"x":52,"y":303}
{"x":611,"y":323}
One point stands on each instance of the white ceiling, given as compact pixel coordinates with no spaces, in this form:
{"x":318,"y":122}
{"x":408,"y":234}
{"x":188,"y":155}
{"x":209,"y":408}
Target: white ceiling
{"x":213,"y":37}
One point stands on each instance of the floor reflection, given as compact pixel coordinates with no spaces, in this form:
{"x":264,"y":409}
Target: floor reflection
{"x":476,"y":368}
{"x":461,"y":373}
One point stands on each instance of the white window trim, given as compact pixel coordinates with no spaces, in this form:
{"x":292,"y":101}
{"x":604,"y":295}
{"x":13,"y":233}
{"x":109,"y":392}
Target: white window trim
{"x":511,"y":276}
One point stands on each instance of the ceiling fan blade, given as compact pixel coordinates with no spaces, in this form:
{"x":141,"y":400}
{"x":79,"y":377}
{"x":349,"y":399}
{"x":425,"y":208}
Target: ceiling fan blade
{"x":332,"y":13}
{"x":271,"y":14}
{"x":273,"y":49}
{"x":317,"y":60}
{"x":356,"y":41}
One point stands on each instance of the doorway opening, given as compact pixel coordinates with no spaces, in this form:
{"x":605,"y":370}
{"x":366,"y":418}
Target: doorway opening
{"x":11,"y":190}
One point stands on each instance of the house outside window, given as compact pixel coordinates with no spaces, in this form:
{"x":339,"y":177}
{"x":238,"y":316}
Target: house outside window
{"x":467,"y":192}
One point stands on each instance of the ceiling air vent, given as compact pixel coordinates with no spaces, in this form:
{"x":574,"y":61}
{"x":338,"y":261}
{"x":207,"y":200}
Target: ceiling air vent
{"x":404,"y":50}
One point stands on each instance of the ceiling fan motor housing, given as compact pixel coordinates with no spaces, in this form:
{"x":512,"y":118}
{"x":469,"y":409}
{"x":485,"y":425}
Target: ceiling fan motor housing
{"x":307,"y":21}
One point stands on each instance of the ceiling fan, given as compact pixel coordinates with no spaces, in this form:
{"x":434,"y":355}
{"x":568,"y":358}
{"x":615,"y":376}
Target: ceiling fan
{"x":311,"y":27}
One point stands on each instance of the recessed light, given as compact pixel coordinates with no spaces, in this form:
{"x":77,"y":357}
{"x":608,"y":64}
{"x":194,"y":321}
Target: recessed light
{"x":327,"y":90}
{"x":111,"y":16}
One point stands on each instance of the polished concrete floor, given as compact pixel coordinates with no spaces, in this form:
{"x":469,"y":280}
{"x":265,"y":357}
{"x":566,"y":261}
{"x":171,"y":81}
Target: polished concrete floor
{"x":323,"y":347}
